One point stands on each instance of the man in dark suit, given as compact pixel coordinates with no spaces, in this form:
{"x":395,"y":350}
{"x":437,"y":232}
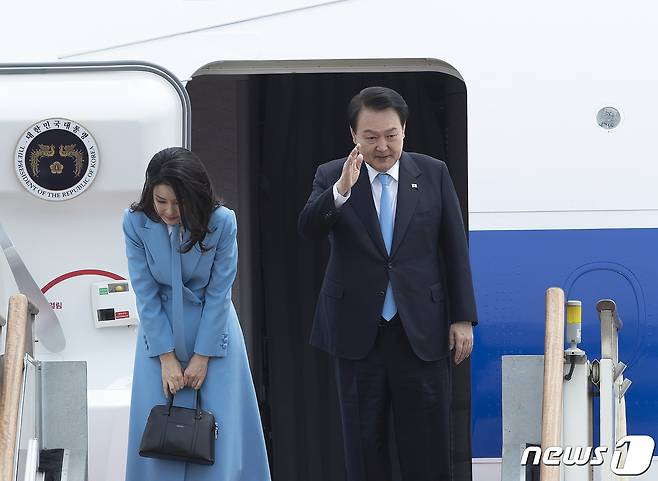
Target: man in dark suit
{"x":397,"y":295}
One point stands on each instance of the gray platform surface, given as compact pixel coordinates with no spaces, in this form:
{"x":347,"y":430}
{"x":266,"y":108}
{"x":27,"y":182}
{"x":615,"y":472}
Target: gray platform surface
{"x":522,"y":391}
{"x":64,"y":412}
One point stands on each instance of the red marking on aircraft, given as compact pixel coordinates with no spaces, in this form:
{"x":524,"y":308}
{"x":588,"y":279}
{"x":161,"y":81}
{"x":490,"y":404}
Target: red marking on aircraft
{"x":83,"y":272}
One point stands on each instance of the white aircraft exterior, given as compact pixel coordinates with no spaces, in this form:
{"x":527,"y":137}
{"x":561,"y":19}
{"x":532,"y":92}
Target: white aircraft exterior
{"x":555,"y":195}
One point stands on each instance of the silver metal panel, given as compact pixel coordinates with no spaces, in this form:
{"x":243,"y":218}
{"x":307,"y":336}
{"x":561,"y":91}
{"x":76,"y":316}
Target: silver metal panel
{"x":64,"y":412}
{"x":76,"y":466}
{"x":522,"y":397}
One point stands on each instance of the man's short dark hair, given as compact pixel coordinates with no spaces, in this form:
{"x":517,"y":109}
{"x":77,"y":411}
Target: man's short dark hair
{"x":377,"y":98}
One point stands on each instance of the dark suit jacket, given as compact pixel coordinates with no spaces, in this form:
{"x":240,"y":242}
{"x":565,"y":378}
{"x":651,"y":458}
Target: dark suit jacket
{"x":428,"y":268}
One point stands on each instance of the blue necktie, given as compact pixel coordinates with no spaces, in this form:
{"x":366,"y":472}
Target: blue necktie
{"x":386,"y":225}
{"x":177,"y":323}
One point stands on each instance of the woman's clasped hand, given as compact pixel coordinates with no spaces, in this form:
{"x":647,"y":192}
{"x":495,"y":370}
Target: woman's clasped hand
{"x":174,"y":378}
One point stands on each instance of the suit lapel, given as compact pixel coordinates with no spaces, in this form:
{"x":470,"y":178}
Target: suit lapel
{"x":190,"y":259}
{"x":407,"y":198}
{"x":156,"y":242}
{"x":364,"y":206}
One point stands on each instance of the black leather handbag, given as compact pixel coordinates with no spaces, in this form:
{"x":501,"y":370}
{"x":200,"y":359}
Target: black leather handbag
{"x":181,"y":434}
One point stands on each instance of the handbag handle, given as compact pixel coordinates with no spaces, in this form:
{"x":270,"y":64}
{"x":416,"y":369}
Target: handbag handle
{"x":197,"y":402}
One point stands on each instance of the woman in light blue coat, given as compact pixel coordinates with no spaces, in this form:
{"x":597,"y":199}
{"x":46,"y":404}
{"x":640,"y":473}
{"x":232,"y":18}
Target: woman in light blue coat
{"x":182,"y":257}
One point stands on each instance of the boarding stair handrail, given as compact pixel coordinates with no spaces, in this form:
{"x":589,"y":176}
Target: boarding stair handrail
{"x":612,"y":402}
{"x":551,"y":419}
{"x":19,"y":341}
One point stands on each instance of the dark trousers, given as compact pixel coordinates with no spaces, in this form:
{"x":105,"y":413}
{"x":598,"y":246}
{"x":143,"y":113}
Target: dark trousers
{"x":418,"y":391}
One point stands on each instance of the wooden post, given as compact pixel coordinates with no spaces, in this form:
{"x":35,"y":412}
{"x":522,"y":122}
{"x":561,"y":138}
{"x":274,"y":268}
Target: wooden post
{"x":10,"y":393}
{"x":551,"y":413}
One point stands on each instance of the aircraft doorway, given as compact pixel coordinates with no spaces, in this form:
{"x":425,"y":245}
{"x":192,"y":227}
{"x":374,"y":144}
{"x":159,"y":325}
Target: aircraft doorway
{"x":262,"y":130}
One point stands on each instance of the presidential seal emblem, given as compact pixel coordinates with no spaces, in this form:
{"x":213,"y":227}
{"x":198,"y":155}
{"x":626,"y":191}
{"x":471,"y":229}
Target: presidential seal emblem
{"x":56,"y":159}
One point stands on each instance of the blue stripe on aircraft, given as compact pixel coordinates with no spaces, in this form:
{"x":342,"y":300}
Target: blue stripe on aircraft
{"x":513,"y":269}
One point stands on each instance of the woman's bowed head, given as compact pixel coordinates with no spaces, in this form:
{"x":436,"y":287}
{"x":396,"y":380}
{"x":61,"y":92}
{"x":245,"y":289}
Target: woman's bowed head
{"x":178,"y":190}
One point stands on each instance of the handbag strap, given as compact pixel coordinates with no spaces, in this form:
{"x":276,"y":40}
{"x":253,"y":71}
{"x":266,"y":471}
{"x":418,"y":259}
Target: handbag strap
{"x":197,"y":396}
{"x":170,"y":403}
{"x":197,"y":403}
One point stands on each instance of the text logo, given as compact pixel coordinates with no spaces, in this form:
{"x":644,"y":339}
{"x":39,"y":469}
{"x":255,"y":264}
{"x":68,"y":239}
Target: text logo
{"x":632,"y":455}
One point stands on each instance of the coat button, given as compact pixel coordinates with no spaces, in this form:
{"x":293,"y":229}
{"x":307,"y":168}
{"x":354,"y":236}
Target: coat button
{"x":390,"y":266}
{"x":381,"y":293}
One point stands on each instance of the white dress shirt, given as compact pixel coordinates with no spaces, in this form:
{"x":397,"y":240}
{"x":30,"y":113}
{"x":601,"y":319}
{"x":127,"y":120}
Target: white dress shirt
{"x":376,"y":187}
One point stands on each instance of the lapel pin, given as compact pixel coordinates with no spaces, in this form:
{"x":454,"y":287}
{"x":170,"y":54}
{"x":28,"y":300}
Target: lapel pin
{"x":414,"y":186}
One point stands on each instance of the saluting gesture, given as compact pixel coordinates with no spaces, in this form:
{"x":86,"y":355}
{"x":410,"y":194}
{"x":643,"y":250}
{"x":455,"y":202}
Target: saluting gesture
{"x":351,"y":171}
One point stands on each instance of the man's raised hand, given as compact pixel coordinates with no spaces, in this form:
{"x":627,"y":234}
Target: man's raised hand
{"x":351,"y":170}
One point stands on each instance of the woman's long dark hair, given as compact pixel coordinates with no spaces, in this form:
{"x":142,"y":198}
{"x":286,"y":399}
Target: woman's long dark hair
{"x":183,"y":171}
